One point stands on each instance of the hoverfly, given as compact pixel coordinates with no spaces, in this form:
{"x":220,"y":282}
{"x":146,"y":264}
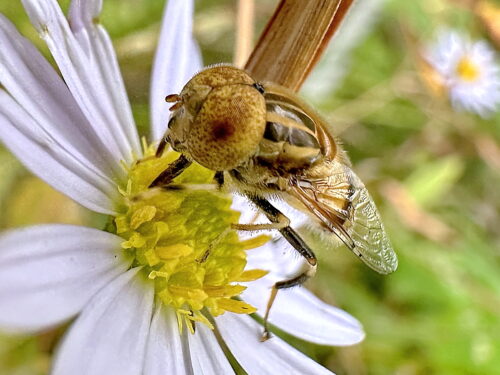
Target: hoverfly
{"x":268,"y":142}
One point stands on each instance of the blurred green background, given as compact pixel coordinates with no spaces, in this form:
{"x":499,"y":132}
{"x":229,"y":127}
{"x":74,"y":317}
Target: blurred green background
{"x":434,"y":173}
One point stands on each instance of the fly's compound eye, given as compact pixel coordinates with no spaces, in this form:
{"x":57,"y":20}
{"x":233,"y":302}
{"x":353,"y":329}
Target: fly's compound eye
{"x":228,"y":127}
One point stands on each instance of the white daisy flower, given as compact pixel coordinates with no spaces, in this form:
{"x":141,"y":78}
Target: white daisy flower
{"x":143,"y":304}
{"x":468,"y":71}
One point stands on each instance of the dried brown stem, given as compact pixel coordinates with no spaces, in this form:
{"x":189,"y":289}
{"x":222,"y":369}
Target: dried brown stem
{"x":294,"y":40}
{"x":414,"y":216}
{"x":244,"y":31}
{"x":489,"y":14}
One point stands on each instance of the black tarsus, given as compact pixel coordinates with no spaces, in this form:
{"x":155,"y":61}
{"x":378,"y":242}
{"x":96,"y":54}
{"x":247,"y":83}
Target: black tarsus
{"x":219,"y":179}
{"x":173,"y":170}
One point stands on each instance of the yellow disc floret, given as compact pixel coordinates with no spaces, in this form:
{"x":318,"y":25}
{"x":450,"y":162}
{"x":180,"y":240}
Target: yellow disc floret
{"x":467,"y":69}
{"x":183,"y":241}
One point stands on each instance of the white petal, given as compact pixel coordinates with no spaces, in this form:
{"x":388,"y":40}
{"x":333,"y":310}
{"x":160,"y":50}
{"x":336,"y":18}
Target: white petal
{"x":95,"y":40}
{"x":51,"y":161}
{"x":84,"y":70}
{"x":110,"y":336}
{"x":49,"y":272}
{"x":36,"y":86}
{"x":165,"y":353}
{"x":82,"y":13}
{"x":274,"y":356}
{"x":207,"y":356}
{"x":249,"y":213}
{"x":293,"y":308}
{"x":300,"y":313}
{"x":278,"y":257}
{"x":177,"y":60}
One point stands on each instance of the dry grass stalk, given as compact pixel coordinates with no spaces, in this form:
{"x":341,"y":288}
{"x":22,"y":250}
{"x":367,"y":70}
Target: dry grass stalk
{"x":414,"y":216}
{"x":244,"y":31}
{"x":294,"y":39}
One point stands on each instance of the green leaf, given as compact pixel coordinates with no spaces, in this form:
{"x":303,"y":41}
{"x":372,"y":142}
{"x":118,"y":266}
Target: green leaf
{"x":431,"y":181}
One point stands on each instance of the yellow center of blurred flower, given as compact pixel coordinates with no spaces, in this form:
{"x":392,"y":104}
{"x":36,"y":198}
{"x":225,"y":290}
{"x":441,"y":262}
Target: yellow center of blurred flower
{"x":467,"y":70}
{"x":182,"y":238}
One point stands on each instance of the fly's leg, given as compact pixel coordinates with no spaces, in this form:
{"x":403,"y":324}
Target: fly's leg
{"x":290,"y":283}
{"x":161,"y":147}
{"x":219,"y":179}
{"x":178,"y":166}
{"x":173,"y":170}
{"x":190,"y":187}
{"x":243,"y":227}
{"x":217,"y":187}
{"x":163,"y":182}
{"x":166,"y":185}
{"x":281,"y":223}
{"x":212,"y":245}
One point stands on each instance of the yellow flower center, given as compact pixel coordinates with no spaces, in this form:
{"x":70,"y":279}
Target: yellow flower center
{"x":467,"y":70}
{"x":184,"y":242}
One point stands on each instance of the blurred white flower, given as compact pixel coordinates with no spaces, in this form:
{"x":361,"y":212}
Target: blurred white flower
{"x":77,"y":133}
{"x":468,"y":71}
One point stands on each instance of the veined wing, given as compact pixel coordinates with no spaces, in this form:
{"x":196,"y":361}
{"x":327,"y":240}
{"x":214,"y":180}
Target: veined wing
{"x":342,"y":203}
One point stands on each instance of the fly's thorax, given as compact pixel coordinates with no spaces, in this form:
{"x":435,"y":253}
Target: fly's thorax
{"x":290,"y":142}
{"x":294,"y":142}
{"x":221,"y":120}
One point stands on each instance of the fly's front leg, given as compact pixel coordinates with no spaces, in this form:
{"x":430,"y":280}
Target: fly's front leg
{"x":281,"y":223}
{"x":161,"y":147}
{"x":173,"y":170}
{"x":217,"y":187}
{"x":219,"y":179}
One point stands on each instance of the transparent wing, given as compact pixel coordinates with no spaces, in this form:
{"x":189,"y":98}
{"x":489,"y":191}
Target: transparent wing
{"x":344,"y":206}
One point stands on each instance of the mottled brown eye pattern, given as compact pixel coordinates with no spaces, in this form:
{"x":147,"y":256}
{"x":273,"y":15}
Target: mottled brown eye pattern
{"x":223,"y":130}
{"x":228,"y":127}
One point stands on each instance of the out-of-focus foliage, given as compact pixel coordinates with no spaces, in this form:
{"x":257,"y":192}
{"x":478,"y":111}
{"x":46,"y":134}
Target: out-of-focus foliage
{"x":434,"y":173}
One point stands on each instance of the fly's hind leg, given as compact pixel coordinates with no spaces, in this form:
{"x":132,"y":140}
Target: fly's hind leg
{"x":297,"y":280}
{"x":281,"y":223}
